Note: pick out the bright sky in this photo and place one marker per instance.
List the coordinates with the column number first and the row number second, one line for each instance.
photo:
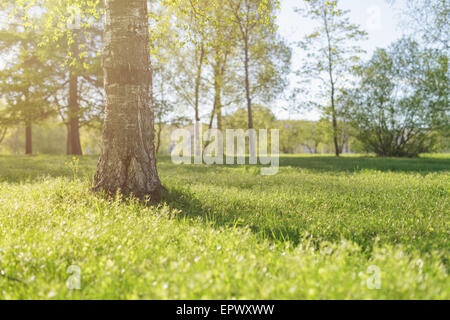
column 376, row 17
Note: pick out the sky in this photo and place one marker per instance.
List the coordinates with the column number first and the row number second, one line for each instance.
column 376, row 17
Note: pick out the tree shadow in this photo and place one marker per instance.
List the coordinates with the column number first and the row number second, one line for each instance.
column 360, row 163
column 18, row 169
column 192, row 208
column 345, row 163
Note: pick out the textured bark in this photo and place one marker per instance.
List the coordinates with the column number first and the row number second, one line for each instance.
column 28, row 139
column 127, row 163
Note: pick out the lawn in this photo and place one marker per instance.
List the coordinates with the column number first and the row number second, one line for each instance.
column 323, row 228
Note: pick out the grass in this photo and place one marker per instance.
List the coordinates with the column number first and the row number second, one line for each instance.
column 323, row 228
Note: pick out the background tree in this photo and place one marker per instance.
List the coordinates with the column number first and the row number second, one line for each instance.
column 224, row 35
column 163, row 105
column 251, row 17
column 313, row 134
column 69, row 41
column 332, row 52
column 393, row 112
column 3, row 127
column 77, row 84
column 263, row 118
column 22, row 81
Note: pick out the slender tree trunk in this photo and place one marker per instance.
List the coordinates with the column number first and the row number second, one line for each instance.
column 248, row 96
column 73, row 133
column 219, row 70
column 128, row 163
column 332, row 83
column 198, row 80
column 158, row 136
column 219, row 116
column 217, row 95
column 69, row 140
column 217, row 107
column 197, row 125
column 335, row 126
column 3, row 134
column 28, row 139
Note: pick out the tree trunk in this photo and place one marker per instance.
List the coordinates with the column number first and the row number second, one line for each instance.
column 28, row 139
column 332, row 84
column 217, row 96
column 197, row 125
column 158, row 136
column 335, row 126
column 3, row 134
column 216, row 107
column 219, row 116
column 128, row 163
column 248, row 96
column 73, row 133
column 219, row 72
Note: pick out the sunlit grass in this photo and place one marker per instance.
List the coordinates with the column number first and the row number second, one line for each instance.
column 313, row 231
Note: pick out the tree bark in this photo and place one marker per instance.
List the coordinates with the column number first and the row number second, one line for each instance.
column 28, row 139
column 128, row 163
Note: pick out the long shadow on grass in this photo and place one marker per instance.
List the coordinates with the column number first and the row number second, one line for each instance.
column 358, row 163
column 192, row 208
column 17, row 169
column 345, row 163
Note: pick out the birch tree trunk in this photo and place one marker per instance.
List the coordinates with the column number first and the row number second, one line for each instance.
column 127, row 163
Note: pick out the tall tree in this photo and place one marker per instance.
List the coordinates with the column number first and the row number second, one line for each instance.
column 69, row 37
column 394, row 108
column 77, row 77
column 223, row 39
column 128, row 163
column 78, row 87
column 22, row 81
column 251, row 16
column 164, row 49
column 162, row 100
column 73, row 123
column 332, row 51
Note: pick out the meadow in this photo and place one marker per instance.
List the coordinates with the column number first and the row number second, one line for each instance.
column 355, row 227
